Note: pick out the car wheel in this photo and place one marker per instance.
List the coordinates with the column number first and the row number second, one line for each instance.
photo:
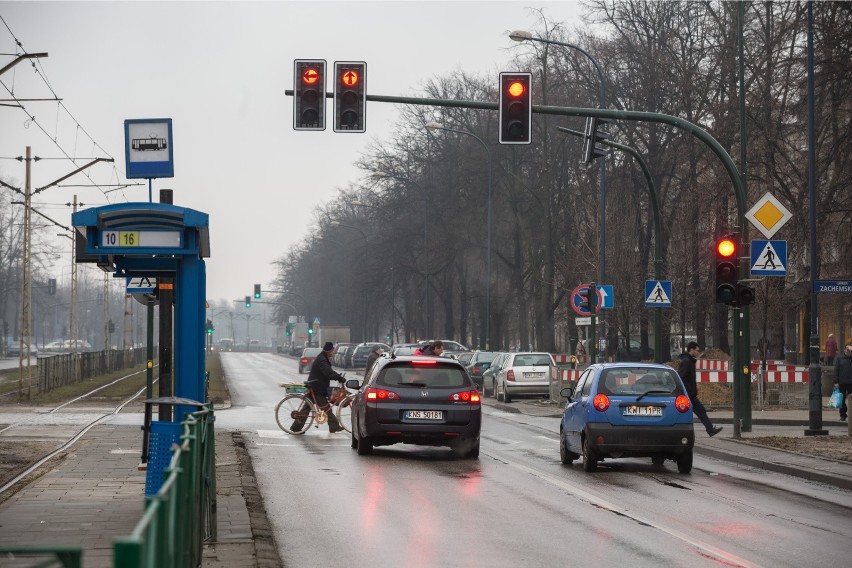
column 684, row 462
column 566, row 457
column 590, row 459
column 506, row 398
column 473, row 452
column 354, row 443
column 365, row 446
column 658, row 460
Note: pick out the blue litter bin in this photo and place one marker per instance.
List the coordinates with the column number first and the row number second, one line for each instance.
column 161, row 437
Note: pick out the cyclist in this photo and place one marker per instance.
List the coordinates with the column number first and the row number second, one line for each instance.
column 319, row 381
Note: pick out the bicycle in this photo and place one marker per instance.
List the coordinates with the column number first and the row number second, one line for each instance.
column 344, row 410
column 299, row 406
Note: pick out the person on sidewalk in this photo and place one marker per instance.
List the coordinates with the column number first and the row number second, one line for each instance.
column 319, row 381
column 686, row 370
column 843, row 377
column 830, row 349
column 374, row 354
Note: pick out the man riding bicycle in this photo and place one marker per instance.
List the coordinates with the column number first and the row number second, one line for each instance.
column 319, row 381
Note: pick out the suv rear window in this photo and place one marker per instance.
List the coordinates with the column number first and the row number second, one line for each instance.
column 416, row 376
column 638, row 381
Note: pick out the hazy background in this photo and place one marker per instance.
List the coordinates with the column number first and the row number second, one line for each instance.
column 219, row 70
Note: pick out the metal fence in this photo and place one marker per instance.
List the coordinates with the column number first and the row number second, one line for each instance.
column 182, row 515
column 58, row 370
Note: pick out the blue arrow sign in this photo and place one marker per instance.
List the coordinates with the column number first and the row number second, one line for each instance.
column 606, row 296
column 768, row 258
column 658, row 293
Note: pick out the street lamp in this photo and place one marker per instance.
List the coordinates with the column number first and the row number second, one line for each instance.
column 438, row 126
column 523, row 35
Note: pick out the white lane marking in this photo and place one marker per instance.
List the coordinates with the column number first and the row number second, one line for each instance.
column 272, row 434
column 597, row 501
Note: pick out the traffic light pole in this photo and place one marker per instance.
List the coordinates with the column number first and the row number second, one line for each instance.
column 742, row 376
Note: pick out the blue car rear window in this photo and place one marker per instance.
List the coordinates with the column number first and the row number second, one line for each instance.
column 416, row 377
column 633, row 382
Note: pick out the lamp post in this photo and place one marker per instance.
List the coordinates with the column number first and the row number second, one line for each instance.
column 523, row 35
column 437, row 126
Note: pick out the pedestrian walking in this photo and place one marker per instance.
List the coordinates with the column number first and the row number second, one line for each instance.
column 830, row 349
column 686, row 370
column 843, row 377
column 374, row 354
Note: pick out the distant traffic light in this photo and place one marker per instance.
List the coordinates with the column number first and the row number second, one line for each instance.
column 310, row 331
column 350, row 96
column 210, row 328
column 51, row 286
column 248, row 301
column 257, row 291
column 309, row 99
column 111, row 326
column 597, row 130
column 726, row 270
column 515, row 114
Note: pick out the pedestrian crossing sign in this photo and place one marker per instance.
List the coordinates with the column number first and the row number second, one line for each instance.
column 658, row 293
column 768, row 258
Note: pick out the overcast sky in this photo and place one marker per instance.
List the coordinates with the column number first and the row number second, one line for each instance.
column 219, row 71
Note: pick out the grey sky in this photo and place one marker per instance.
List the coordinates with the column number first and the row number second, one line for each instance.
column 219, row 70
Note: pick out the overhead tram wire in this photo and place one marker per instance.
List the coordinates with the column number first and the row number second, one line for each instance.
column 39, row 69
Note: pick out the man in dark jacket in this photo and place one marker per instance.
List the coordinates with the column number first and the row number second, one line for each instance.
column 843, row 376
column 319, row 381
column 374, row 354
column 686, row 370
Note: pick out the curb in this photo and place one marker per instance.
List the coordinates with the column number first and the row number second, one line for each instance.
column 811, row 475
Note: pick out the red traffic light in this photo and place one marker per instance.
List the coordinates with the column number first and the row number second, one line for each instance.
column 349, row 78
column 726, row 248
column 516, row 88
column 310, row 76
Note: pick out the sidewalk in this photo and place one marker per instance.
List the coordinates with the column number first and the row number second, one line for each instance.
column 723, row 446
column 96, row 493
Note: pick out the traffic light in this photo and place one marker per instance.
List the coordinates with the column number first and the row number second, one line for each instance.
column 590, row 298
column 248, row 301
column 51, row 286
column 745, row 295
column 310, row 331
column 350, row 96
column 309, row 99
column 726, row 270
column 210, row 327
column 597, row 130
column 257, row 291
column 111, row 326
column 515, row 108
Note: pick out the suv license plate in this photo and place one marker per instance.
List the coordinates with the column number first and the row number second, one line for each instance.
column 642, row 411
column 424, row 414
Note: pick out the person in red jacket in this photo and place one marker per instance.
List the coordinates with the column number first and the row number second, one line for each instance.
column 830, row 349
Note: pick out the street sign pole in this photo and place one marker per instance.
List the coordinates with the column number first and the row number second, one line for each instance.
column 593, row 343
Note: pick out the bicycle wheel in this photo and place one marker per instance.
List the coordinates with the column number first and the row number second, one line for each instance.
column 295, row 413
column 344, row 412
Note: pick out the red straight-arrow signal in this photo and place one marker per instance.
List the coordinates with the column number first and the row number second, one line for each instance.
column 350, row 78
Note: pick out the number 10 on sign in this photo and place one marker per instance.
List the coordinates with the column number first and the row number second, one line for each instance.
column 120, row 239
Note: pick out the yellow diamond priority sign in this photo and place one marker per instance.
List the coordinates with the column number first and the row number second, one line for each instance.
column 768, row 215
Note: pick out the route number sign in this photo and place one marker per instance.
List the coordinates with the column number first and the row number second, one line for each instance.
column 140, row 239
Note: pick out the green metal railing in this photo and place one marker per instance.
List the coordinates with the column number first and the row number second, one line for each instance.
column 182, row 515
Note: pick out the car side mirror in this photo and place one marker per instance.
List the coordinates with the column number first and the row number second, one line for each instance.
column 567, row 392
column 353, row 384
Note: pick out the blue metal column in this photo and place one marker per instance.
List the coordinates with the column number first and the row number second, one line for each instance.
column 191, row 286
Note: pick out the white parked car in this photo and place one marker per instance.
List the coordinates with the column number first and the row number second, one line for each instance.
column 523, row 374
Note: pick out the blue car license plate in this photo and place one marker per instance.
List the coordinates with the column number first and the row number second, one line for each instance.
column 642, row 411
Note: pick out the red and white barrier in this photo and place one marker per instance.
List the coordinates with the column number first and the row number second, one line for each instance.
column 566, row 359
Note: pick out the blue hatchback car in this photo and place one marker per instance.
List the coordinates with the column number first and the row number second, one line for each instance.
column 627, row 410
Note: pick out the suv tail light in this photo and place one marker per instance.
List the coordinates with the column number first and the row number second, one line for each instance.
column 304, row 360
column 601, row 402
column 374, row 394
column 510, row 375
column 682, row 403
column 475, row 370
column 471, row 397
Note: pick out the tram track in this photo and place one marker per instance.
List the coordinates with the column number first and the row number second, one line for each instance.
column 79, row 432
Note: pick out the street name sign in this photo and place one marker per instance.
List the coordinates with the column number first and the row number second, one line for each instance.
column 833, row 286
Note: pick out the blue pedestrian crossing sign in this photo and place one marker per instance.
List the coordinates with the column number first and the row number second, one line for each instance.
column 658, row 293
column 768, row 258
